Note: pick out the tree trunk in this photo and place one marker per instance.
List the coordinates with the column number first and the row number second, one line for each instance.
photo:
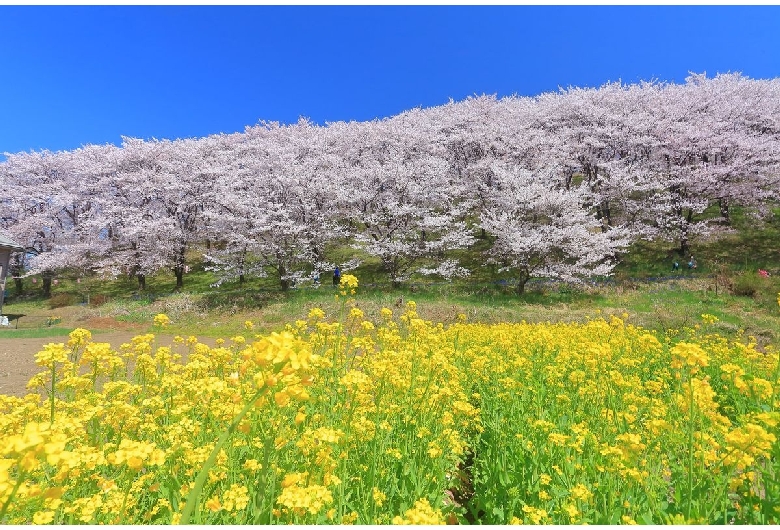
column 241, row 279
column 724, row 211
column 283, row 281
column 685, row 246
column 15, row 270
column 178, row 270
column 47, row 286
column 521, row 281
column 141, row 281
column 604, row 215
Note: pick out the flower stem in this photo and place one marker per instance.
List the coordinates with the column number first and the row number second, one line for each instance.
column 192, row 498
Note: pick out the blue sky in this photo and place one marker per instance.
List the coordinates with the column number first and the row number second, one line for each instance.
column 76, row 75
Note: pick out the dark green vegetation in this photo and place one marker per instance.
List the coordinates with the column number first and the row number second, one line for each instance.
column 726, row 283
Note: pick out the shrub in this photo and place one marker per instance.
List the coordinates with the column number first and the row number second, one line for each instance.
column 748, row 284
column 98, row 299
column 61, row 300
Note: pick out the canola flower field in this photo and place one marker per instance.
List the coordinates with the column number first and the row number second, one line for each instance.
column 346, row 419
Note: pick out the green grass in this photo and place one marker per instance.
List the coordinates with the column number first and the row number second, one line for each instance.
column 33, row 333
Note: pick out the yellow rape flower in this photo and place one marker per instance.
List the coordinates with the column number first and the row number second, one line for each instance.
column 236, row 498
column 43, row 517
column 709, row 319
column 378, row 496
column 689, row 355
column 349, row 281
column 161, row 320
column 136, row 454
column 316, row 314
column 311, row 499
column 78, row 337
column 536, row 515
column 421, row 513
column 747, row 443
column 52, row 354
column 580, row 492
column 213, row 504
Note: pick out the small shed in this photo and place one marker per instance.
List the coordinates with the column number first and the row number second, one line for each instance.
column 7, row 247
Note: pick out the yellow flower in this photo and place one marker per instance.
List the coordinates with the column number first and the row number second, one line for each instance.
column 310, row 499
column 51, row 354
column 248, row 325
column 709, row 319
column 78, row 337
column 236, row 498
column 379, row 497
column 747, row 443
column 213, row 504
column 421, row 513
column 689, row 355
column 161, row 320
column 316, row 314
column 349, row 281
column 136, row 454
column 580, row 492
column 44, row 517
column 536, row 515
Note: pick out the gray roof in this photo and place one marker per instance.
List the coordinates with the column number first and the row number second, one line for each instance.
column 7, row 243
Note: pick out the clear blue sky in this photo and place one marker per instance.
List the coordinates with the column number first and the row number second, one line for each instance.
column 75, row 75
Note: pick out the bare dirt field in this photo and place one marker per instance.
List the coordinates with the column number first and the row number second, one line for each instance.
column 17, row 356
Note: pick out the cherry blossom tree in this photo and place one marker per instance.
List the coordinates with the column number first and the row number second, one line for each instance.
column 53, row 208
column 543, row 229
column 274, row 213
column 133, row 217
column 403, row 208
column 650, row 159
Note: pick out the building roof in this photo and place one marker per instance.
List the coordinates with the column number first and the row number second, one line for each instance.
column 6, row 243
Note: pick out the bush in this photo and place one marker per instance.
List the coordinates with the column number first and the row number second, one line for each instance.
column 98, row 299
column 61, row 300
column 749, row 284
